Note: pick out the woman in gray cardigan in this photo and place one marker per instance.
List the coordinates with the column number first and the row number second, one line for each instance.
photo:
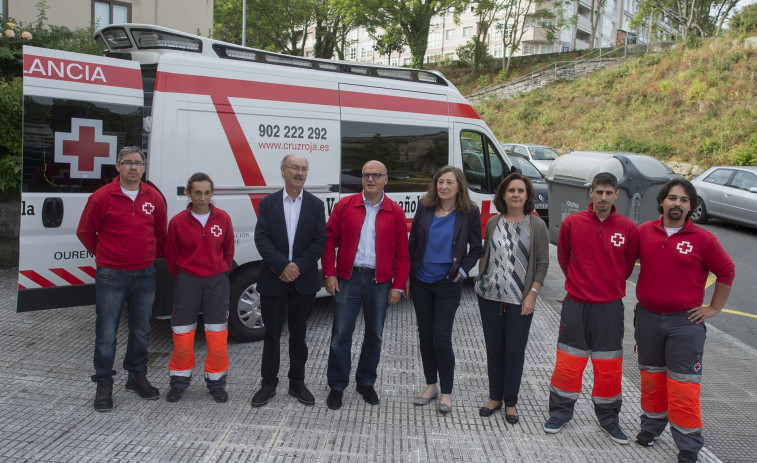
column 511, row 272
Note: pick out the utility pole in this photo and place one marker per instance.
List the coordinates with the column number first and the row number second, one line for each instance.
column 244, row 23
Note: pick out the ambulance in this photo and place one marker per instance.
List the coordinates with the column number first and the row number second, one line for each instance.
column 201, row 105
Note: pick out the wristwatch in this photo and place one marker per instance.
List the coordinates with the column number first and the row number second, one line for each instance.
column 536, row 291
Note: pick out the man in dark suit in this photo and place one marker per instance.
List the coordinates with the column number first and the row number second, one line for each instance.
column 290, row 236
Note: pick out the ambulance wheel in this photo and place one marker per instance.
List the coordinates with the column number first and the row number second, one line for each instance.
column 699, row 213
column 245, row 317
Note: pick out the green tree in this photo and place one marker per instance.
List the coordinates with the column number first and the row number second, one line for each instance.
column 703, row 18
column 411, row 17
column 744, row 22
column 516, row 16
column 391, row 41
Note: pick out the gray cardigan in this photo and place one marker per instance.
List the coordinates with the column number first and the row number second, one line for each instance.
column 538, row 258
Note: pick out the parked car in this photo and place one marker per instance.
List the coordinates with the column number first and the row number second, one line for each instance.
column 540, row 156
column 541, row 193
column 727, row 193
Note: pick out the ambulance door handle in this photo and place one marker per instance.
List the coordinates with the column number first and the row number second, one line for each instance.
column 52, row 212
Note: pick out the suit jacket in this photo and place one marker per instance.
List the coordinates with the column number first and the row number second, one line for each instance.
column 273, row 244
column 466, row 240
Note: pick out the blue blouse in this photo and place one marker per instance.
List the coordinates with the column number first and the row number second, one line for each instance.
column 437, row 257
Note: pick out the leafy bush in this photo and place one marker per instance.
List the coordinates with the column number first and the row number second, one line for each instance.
column 11, row 109
column 744, row 22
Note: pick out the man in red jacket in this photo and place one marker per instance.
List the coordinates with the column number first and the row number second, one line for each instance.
column 676, row 257
column 371, row 266
column 596, row 250
column 124, row 226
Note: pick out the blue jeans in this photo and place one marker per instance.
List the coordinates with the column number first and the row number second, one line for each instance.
column 361, row 287
column 113, row 288
column 435, row 307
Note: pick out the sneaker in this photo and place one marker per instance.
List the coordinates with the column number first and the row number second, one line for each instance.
column 553, row 425
column 219, row 394
column 646, row 438
column 140, row 385
column 613, row 430
column 264, row 394
column 174, row 395
column 687, row 456
column 104, row 397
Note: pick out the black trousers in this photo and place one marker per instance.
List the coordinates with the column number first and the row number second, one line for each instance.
column 294, row 308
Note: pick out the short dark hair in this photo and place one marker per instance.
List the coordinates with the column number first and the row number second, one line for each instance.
column 462, row 202
column 690, row 190
column 199, row 177
column 605, row 178
column 499, row 200
column 128, row 150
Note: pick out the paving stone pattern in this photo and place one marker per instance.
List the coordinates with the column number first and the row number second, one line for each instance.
column 46, row 397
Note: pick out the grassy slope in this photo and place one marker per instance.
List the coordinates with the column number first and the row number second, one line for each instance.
column 690, row 105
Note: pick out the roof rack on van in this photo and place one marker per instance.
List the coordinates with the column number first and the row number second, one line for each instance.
column 122, row 40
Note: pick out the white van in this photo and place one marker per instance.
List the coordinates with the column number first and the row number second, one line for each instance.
column 199, row 105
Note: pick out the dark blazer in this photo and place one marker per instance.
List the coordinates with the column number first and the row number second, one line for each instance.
column 273, row 245
column 466, row 244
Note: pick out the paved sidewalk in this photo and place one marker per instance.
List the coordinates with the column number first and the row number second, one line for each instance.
column 46, row 399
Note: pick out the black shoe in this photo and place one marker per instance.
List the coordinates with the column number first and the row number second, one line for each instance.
column 174, row 394
column 368, row 393
column 687, row 456
column 487, row 412
column 512, row 419
column 646, row 438
column 334, row 400
column 219, row 394
column 104, row 397
column 264, row 394
column 302, row 393
column 140, row 385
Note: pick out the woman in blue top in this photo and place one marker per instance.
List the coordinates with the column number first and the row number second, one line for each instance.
column 445, row 243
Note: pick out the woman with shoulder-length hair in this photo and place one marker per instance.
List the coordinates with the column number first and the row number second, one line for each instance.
column 511, row 272
column 199, row 251
column 445, row 243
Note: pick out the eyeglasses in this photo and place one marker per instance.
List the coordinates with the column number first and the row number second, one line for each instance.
column 374, row 176
column 132, row 163
column 299, row 168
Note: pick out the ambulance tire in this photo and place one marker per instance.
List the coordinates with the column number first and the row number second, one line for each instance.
column 245, row 319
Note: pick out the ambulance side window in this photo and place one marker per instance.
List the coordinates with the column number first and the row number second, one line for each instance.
column 482, row 164
column 70, row 146
column 411, row 154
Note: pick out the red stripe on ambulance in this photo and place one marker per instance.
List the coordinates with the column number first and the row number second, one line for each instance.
column 67, row 276
column 44, row 67
column 37, row 278
column 91, row 271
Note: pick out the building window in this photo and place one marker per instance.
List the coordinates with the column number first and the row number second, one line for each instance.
column 435, row 38
column 106, row 12
column 547, row 49
column 528, row 49
column 406, row 61
column 498, row 50
column 468, row 31
column 395, row 61
column 450, row 34
column 351, row 54
column 582, row 35
column 366, row 50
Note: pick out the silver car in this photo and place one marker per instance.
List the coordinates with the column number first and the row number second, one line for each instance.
column 540, row 156
column 727, row 193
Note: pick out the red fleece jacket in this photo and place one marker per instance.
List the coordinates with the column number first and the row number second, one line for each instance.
column 197, row 250
column 121, row 233
column 597, row 256
column 343, row 232
column 674, row 269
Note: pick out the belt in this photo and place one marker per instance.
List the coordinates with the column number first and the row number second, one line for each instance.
column 363, row 269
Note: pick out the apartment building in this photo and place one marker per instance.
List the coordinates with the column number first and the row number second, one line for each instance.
column 192, row 16
column 445, row 36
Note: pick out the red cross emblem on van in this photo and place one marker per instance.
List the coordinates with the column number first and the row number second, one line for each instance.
column 86, row 149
